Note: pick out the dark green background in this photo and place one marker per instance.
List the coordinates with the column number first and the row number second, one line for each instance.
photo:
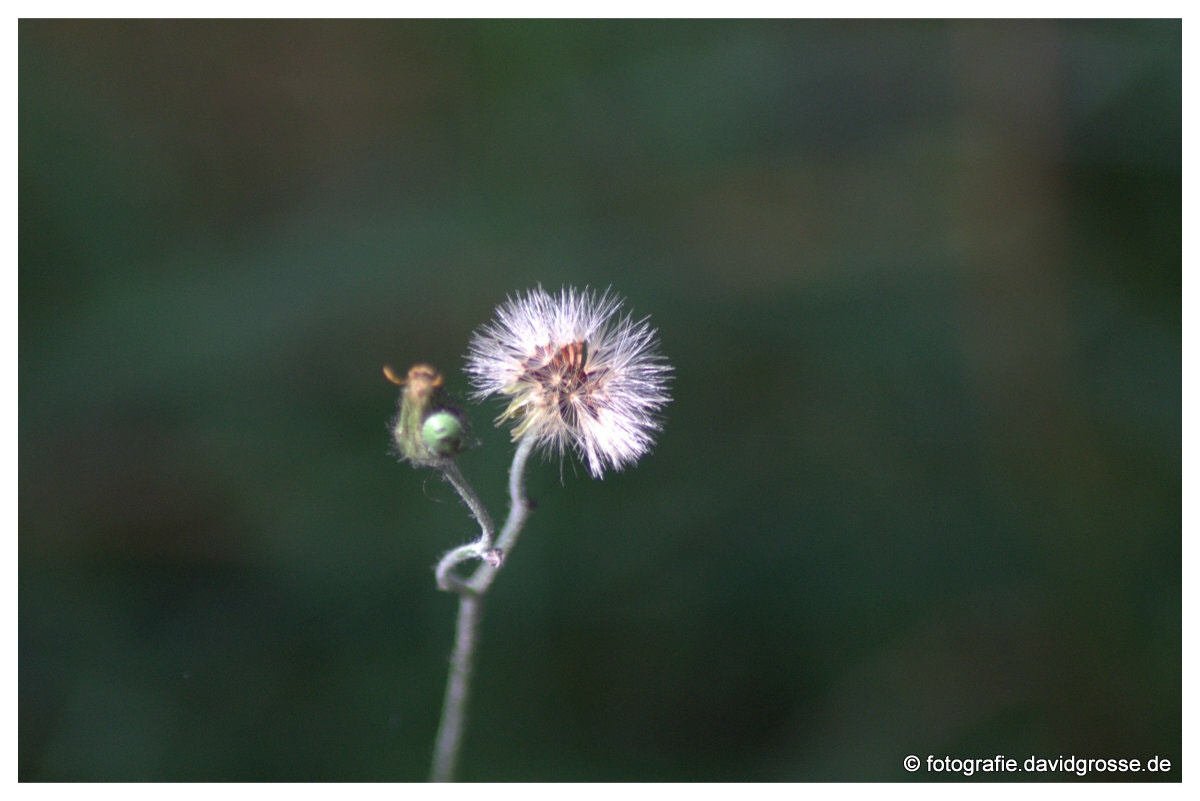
column 918, row 490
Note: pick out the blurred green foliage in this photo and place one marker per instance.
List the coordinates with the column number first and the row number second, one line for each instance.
column 918, row 491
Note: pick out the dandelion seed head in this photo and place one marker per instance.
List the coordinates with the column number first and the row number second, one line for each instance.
column 576, row 373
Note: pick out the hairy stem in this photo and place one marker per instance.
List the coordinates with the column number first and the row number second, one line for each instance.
column 458, row 688
column 470, row 593
column 518, row 513
column 480, row 548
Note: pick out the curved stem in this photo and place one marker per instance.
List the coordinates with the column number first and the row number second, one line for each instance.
column 480, row 548
column 467, row 493
column 470, row 599
column 518, row 513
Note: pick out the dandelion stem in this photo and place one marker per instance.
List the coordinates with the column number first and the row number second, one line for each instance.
column 475, row 550
column 467, row 493
column 458, row 688
column 470, row 593
column 518, row 512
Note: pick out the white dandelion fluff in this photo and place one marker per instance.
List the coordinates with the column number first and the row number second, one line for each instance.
column 576, row 374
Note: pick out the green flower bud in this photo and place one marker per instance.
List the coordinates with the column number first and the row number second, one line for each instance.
column 444, row 433
column 428, row 428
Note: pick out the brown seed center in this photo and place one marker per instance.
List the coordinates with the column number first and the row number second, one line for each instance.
column 557, row 372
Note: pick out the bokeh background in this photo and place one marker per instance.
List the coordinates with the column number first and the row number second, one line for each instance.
column 918, row 491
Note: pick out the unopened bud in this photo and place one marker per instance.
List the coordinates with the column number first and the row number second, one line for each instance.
column 428, row 428
column 444, row 433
